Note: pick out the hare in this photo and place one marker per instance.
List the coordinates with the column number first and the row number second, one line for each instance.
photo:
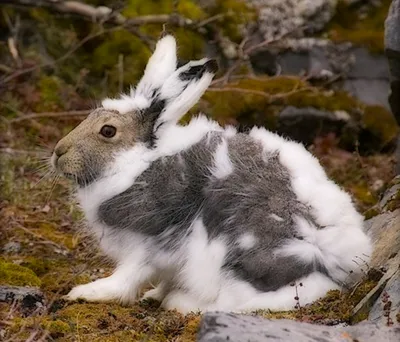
column 221, row 220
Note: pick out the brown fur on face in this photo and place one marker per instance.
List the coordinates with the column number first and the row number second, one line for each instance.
column 84, row 153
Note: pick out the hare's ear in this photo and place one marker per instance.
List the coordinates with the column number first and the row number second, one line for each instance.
column 160, row 67
column 176, row 96
column 183, row 89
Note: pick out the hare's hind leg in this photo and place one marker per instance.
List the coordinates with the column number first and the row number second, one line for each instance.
column 159, row 292
column 303, row 291
column 182, row 302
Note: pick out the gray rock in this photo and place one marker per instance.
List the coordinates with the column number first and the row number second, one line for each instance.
column 363, row 308
column 11, row 247
column 305, row 124
column 369, row 91
column 264, row 62
column 368, row 77
column 218, row 327
column 30, row 299
column 384, row 230
column 390, row 194
column 392, row 27
column 387, row 307
column 279, row 17
column 356, row 70
column 294, row 63
column 392, row 50
column 367, row 65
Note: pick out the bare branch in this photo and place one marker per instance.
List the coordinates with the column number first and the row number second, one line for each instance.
column 270, row 97
column 62, row 58
column 60, row 115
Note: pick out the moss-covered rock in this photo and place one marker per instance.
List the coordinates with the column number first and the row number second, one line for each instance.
column 362, row 29
column 17, row 275
column 381, row 126
column 259, row 100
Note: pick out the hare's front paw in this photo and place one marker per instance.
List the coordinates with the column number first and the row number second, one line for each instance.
column 155, row 294
column 100, row 290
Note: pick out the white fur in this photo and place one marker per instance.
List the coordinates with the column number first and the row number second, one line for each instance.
column 122, row 285
column 314, row 286
column 246, row 241
column 182, row 95
column 175, row 138
column 341, row 241
column 160, row 67
column 276, row 217
column 230, row 131
column 223, row 166
column 127, row 167
column 203, row 266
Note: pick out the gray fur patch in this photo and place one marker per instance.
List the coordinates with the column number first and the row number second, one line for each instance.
column 175, row 190
column 168, row 195
column 242, row 202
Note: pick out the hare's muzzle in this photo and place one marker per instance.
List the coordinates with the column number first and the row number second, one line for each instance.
column 59, row 158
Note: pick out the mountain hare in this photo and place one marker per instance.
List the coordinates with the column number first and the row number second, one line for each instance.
column 221, row 220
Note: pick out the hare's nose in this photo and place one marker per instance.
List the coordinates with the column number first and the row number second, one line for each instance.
column 60, row 150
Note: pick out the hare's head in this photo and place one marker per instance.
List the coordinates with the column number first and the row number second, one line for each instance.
column 164, row 94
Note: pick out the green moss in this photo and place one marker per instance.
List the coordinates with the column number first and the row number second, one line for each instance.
column 56, row 327
column 190, row 44
column 110, row 322
column 106, row 56
column 393, row 203
column 362, row 192
column 247, row 106
column 381, row 124
column 336, row 305
column 187, row 8
column 231, row 23
column 370, row 213
column 367, row 31
column 260, row 108
column 16, row 275
column 50, row 88
column 49, row 231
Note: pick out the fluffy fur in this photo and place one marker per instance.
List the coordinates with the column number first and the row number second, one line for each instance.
column 220, row 220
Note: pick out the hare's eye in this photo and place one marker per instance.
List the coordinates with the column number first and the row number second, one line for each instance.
column 108, row 131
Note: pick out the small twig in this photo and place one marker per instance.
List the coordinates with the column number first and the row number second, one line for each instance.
column 210, row 20
column 270, row 97
column 267, row 42
column 9, row 150
column 59, row 115
column 40, row 237
column 6, row 69
column 12, row 39
column 121, row 73
column 240, row 90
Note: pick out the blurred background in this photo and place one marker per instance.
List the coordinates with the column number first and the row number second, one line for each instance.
column 311, row 70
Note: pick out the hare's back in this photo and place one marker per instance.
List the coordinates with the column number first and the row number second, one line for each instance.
column 250, row 191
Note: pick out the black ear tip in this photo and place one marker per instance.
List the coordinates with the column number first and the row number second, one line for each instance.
column 165, row 33
column 211, row 66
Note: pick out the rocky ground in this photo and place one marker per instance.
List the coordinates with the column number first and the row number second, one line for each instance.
column 325, row 84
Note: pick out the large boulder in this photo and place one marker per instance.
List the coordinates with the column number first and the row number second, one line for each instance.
column 382, row 303
column 218, row 327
